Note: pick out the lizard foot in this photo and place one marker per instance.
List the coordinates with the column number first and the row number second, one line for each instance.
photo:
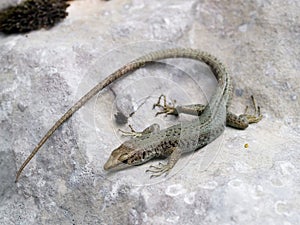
column 132, row 132
column 154, row 128
column 257, row 116
column 158, row 170
column 166, row 109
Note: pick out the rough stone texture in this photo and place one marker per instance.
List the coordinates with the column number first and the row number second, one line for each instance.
column 44, row 72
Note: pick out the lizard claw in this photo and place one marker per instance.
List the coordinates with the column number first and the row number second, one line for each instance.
column 257, row 116
column 158, row 170
column 166, row 109
column 132, row 132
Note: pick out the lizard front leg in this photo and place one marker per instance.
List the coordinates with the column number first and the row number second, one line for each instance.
column 154, row 128
column 165, row 168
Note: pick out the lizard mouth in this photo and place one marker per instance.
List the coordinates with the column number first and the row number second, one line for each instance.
column 120, row 158
column 115, row 164
column 109, row 164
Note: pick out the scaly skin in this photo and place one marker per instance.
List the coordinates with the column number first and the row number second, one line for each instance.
column 188, row 136
column 174, row 140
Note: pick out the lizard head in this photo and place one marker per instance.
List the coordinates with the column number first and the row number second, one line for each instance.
column 124, row 156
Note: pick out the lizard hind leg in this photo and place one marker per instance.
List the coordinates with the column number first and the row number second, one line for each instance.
column 171, row 109
column 257, row 116
column 242, row 121
column 166, row 108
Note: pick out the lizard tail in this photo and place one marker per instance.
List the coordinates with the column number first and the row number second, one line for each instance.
column 215, row 65
column 111, row 78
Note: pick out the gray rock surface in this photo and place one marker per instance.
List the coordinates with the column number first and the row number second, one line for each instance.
column 44, row 72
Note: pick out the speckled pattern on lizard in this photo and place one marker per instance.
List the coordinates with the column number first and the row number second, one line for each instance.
column 175, row 140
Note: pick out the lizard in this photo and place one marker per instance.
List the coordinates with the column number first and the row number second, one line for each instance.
column 177, row 139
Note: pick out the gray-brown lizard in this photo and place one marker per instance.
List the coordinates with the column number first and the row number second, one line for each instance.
column 177, row 139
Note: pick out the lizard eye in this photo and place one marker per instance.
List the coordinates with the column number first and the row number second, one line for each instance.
column 123, row 158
